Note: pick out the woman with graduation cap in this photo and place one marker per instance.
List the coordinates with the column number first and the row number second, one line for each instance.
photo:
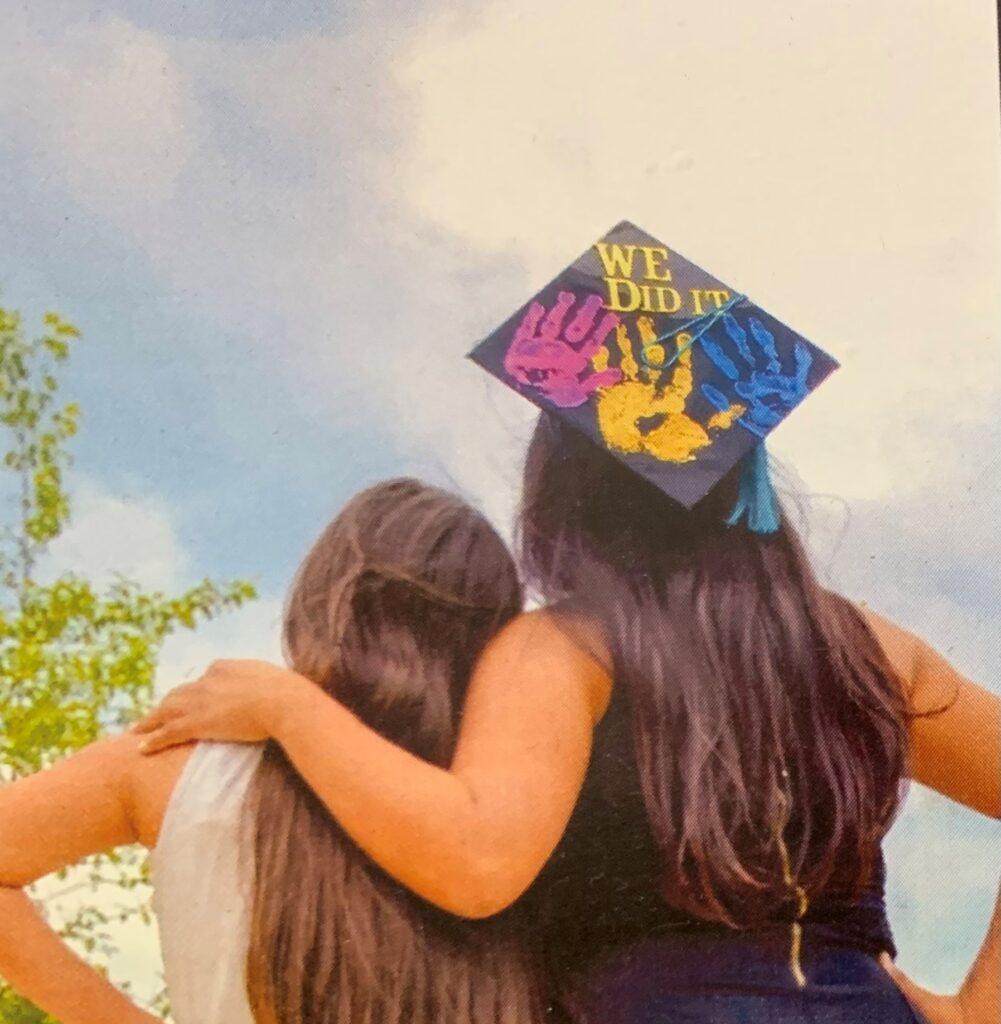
column 686, row 762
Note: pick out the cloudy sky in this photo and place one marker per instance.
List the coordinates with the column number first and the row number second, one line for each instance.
column 280, row 226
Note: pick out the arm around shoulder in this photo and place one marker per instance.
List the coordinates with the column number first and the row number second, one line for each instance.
column 471, row 838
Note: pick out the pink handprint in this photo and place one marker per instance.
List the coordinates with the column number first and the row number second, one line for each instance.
column 549, row 357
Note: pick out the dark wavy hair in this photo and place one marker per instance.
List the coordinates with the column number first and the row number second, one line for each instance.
column 768, row 725
column 388, row 612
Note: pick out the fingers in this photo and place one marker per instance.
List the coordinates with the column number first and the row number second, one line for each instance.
column 552, row 325
column 540, row 324
column 159, row 716
column 715, row 397
column 530, row 321
column 583, row 321
column 149, row 722
column 725, row 418
column 739, row 337
column 599, row 361
column 914, row 993
column 177, row 720
column 179, row 701
column 719, row 357
column 604, row 376
column 605, row 379
column 593, row 348
column 608, row 324
column 804, row 360
column 628, row 363
column 577, row 331
column 682, row 376
column 165, row 726
column 727, row 412
column 653, row 352
column 170, row 734
column 766, row 340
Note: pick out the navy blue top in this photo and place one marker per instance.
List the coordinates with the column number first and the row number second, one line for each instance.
column 601, row 892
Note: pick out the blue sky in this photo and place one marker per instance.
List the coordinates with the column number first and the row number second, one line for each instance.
column 280, row 226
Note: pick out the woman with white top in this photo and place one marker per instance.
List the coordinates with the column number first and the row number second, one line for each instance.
column 267, row 911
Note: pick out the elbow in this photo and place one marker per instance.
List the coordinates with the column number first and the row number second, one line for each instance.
column 479, row 906
column 482, row 889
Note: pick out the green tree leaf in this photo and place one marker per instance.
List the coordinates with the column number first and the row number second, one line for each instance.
column 76, row 660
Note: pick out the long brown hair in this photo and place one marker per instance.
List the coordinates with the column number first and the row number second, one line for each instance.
column 388, row 612
column 768, row 726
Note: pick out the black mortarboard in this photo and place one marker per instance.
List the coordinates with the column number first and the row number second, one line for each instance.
column 671, row 370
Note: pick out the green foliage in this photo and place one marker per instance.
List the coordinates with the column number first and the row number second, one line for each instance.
column 76, row 660
column 14, row 1010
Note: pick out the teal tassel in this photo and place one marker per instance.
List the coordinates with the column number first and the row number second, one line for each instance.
column 756, row 498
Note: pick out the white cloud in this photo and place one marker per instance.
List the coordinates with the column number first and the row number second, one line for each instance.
column 844, row 178
column 104, row 112
column 250, row 632
column 364, row 228
column 111, row 534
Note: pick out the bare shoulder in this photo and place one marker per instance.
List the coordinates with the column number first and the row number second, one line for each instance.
column 900, row 646
column 562, row 647
column 149, row 782
column 930, row 681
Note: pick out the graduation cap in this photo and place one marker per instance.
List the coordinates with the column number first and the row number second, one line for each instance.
column 677, row 374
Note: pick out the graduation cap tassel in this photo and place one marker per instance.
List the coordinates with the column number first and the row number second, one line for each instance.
column 756, row 498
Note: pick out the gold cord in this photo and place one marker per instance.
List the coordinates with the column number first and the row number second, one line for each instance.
column 802, row 900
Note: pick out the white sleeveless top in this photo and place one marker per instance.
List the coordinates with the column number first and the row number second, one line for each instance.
column 201, row 886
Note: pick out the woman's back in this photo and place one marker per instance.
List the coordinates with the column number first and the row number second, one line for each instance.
column 389, row 610
column 603, row 887
column 203, row 875
column 620, row 951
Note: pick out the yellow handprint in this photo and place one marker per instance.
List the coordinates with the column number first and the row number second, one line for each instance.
column 639, row 414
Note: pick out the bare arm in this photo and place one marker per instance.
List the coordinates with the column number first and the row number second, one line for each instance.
column 955, row 747
column 472, row 838
column 955, row 726
column 48, row 821
column 956, row 751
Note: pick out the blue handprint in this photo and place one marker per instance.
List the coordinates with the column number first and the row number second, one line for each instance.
column 769, row 393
